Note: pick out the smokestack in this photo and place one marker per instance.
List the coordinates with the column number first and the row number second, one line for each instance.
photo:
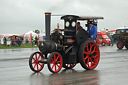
column 47, row 25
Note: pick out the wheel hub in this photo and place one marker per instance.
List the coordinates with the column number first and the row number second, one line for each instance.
column 36, row 61
column 90, row 54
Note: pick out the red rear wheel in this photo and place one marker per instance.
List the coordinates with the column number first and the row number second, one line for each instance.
column 55, row 62
column 34, row 63
column 89, row 55
column 120, row 45
column 126, row 45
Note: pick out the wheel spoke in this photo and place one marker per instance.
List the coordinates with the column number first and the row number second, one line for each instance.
column 87, row 62
column 91, row 62
column 86, row 52
column 57, row 57
column 91, row 47
column 95, row 63
column 54, row 56
column 94, row 49
column 53, row 62
column 41, row 65
column 37, row 67
column 59, row 61
column 52, row 59
column 58, row 66
column 53, row 66
column 94, row 56
column 34, row 59
column 34, row 65
column 36, row 56
column 96, row 60
column 39, row 57
column 33, row 62
column 85, row 58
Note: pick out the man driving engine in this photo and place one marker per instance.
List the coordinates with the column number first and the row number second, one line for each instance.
column 92, row 30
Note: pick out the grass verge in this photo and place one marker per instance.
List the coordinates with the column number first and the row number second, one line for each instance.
column 27, row 45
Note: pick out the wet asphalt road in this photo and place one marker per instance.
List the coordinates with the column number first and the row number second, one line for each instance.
column 111, row 70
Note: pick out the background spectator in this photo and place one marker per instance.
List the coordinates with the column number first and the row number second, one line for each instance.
column 36, row 41
column 8, row 42
column 5, row 41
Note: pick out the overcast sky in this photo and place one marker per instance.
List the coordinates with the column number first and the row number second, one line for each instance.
column 21, row 16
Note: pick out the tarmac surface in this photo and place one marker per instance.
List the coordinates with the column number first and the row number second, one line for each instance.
column 111, row 70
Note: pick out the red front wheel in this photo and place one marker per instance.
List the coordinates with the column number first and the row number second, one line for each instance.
column 89, row 55
column 55, row 62
column 34, row 63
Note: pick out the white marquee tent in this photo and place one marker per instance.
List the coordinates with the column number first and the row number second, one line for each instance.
column 28, row 36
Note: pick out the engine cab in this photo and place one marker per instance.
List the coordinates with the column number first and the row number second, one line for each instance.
column 69, row 29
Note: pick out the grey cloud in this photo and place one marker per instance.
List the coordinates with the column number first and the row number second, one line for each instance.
column 23, row 15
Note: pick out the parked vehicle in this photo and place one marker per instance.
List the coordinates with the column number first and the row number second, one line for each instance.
column 121, row 37
column 103, row 39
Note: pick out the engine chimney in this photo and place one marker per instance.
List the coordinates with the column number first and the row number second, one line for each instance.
column 47, row 25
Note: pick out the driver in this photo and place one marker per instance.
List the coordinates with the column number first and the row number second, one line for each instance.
column 79, row 26
column 92, row 30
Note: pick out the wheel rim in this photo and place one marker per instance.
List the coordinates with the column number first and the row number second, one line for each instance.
column 91, row 55
column 55, row 62
column 35, row 62
column 103, row 43
column 119, row 45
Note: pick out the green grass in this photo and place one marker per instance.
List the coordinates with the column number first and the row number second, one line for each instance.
column 27, row 45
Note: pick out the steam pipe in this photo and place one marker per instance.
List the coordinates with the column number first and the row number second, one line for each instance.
column 47, row 25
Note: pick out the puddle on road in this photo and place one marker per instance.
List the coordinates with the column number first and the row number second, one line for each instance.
column 66, row 77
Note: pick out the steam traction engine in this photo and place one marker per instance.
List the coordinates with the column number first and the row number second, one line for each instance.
column 121, row 36
column 66, row 47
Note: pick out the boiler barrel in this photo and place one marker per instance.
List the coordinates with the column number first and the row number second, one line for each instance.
column 49, row 46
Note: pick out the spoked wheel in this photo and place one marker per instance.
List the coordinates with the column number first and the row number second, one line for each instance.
column 34, row 63
column 89, row 55
column 120, row 45
column 69, row 66
column 55, row 62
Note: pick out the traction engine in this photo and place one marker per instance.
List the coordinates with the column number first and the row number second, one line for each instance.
column 66, row 47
